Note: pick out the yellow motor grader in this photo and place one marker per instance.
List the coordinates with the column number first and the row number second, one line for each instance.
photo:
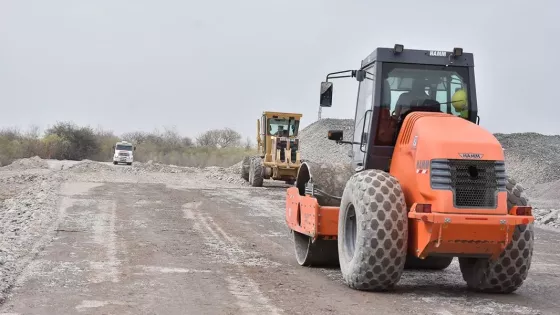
column 278, row 154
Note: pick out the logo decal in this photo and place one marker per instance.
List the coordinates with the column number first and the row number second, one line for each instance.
column 415, row 142
column 472, row 156
column 422, row 166
column 438, row 53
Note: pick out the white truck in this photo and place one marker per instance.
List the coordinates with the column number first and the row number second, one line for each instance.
column 123, row 153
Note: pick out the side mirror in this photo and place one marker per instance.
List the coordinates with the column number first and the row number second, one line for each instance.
column 360, row 75
column 336, row 135
column 326, row 94
column 134, row 148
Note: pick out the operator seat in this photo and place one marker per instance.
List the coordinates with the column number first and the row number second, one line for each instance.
column 416, row 96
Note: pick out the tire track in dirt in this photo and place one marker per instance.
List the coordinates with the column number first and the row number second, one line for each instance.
column 104, row 235
column 417, row 289
column 249, row 297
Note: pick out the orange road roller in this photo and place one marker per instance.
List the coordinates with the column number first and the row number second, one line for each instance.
column 426, row 183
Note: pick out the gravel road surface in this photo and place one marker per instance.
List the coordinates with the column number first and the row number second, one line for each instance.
column 129, row 240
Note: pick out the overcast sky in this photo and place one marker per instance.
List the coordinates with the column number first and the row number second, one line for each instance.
column 139, row 65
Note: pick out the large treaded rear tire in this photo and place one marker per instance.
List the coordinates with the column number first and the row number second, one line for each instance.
column 256, row 172
column 245, row 165
column 372, row 247
column 507, row 274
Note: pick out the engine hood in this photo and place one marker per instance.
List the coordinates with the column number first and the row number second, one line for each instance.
column 442, row 136
column 455, row 143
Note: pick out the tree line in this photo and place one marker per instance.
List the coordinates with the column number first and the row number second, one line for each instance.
column 68, row 141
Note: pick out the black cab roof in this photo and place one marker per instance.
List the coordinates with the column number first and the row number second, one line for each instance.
column 430, row 57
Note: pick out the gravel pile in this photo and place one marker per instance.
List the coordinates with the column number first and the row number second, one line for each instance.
column 316, row 147
column 90, row 166
column 136, row 168
column 230, row 174
column 235, row 169
column 14, row 184
column 28, row 163
column 21, row 179
column 547, row 191
column 548, row 217
column 24, row 220
column 532, row 158
column 153, row 167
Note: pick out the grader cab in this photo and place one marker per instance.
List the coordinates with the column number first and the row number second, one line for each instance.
column 426, row 183
column 278, row 149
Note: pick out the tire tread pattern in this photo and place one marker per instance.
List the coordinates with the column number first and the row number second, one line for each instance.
column 382, row 231
column 509, row 272
column 256, row 172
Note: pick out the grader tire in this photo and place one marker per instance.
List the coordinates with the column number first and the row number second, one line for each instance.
column 372, row 231
column 321, row 253
column 429, row 263
column 245, row 165
column 256, row 172
column 506, row 274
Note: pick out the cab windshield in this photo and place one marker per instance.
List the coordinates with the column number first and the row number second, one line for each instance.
column 283, row 127
column 123, row 147
column 408, row 85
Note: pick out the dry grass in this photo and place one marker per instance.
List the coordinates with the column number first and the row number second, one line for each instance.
column 68, row 141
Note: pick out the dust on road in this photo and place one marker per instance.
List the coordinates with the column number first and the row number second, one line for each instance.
column 127, row 241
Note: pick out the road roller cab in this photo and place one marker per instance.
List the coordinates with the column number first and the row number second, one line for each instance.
column 425, row 184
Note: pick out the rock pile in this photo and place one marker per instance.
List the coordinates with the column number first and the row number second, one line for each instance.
column 549, row 217
column 90, row 166
column 27, row 163
column 315, row 146
column 235, row 169
column 154, row 167
column 532, row 158
column 24, row 220
column 230, row 174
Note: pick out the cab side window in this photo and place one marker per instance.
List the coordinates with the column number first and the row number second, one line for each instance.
column 363, row 111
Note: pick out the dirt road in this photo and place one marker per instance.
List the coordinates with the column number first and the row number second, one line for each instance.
column 186, row 244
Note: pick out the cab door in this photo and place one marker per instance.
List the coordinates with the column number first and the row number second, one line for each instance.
column 362, row 120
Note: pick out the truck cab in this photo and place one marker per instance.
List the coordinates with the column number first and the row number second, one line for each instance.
column 123, row 153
